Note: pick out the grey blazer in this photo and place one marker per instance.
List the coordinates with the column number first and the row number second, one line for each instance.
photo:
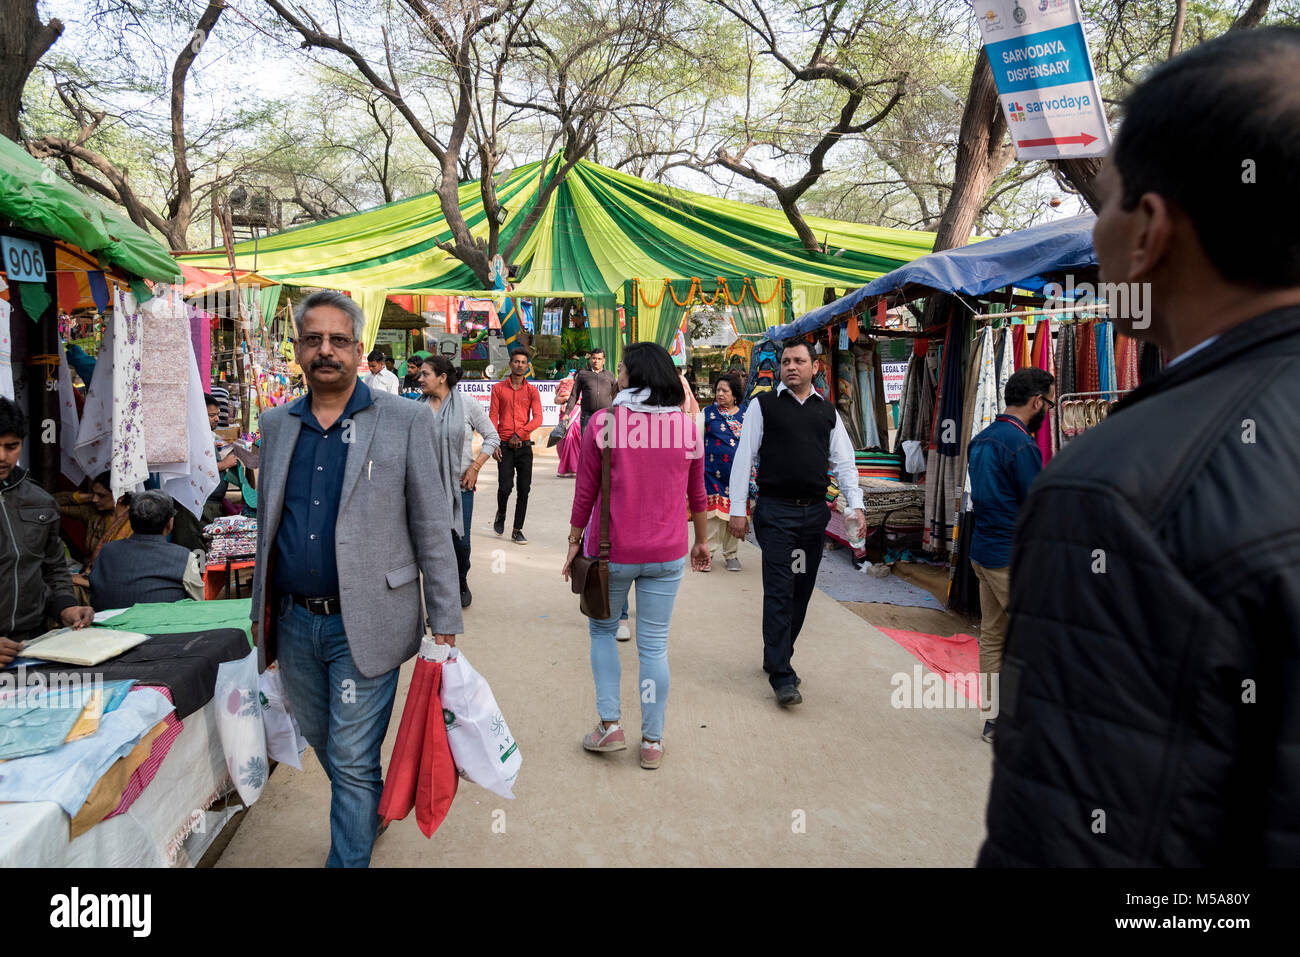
column 394, row 522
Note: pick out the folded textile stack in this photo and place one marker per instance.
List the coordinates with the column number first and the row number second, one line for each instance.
column 878, row 465
column 231, row 536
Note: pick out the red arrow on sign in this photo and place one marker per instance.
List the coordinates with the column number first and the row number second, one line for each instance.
column 1083, row 139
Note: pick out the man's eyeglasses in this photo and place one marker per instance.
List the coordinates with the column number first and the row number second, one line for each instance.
column 1051, row 403
column 313, row 341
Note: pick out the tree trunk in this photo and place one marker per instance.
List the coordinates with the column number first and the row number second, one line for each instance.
column 981, row 156
column 1081, row 174
column 23, row 41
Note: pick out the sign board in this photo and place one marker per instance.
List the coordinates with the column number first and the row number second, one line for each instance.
column 390, row 337
column 1045, row 79
column 481, row 390
column 23, row 260
column 894, row 373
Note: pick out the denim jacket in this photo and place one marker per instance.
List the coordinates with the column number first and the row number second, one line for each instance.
column 1004, row 461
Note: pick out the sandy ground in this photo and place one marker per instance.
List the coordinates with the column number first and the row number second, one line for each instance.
column 843, row 779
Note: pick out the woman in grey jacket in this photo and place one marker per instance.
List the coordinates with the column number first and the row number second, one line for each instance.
column 456, row 419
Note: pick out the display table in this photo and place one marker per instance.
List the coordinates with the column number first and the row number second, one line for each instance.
column 899, row 506
column 166, row 825
column 219, row 577
column 156, row 831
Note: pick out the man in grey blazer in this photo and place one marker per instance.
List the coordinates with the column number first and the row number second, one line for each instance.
column 350, row 513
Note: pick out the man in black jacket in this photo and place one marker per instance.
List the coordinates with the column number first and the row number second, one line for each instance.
column 1149, row 705
column 34, row 579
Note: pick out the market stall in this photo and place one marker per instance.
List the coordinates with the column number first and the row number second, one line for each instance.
column 151, row 786
column 995, row 318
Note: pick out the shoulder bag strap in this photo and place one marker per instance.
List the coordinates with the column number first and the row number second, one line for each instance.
column 606, row 455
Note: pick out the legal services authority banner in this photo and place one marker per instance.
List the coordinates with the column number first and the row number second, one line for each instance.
column 1045, row 78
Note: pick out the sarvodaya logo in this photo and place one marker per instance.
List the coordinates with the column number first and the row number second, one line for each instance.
column 133, row 911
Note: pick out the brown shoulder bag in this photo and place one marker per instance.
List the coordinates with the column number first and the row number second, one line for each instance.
column 589, row 577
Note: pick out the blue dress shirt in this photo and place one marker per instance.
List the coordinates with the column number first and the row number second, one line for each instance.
column 1004, row 461
column 305, row 563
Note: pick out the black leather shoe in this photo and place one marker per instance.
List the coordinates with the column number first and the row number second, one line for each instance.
column 465, row 596
column 788, row 696
column 518, row 538
column 499, row 525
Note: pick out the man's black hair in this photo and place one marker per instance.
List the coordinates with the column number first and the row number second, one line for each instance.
column 12, row 419
column 376, row 355
column 211, row 400
column 150, row 512
column 800, row 342
column 1026, row 383
column 649, row 366
column 1216, row 131
column 595, row 350
column 520, row 351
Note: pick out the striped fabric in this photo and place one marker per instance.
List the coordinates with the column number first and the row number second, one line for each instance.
column 878, row 465
column 142, row 775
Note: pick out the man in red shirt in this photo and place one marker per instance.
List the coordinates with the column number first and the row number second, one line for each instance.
column 516, row 411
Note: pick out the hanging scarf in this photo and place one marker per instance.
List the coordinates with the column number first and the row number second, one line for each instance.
column 1042, row 350
column 1087, row 378
column 449, row 448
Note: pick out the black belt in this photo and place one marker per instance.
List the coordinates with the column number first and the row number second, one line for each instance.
column 800, row 502
column 318, row 606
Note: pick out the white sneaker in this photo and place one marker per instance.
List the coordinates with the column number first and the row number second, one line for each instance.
column 624, row 633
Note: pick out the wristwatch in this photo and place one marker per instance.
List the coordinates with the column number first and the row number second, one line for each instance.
column 575, row 541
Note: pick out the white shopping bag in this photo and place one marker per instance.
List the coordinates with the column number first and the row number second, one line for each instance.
column 239, row 722
column 284, row 742
column 481, row 744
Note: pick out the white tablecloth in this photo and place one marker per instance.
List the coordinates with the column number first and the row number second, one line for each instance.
column 151, row 832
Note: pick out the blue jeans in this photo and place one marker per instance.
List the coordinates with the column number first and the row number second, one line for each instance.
column 460, row 543
column 344, row 716
column 656, row 590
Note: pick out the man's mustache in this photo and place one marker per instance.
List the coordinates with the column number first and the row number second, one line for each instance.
column 323, row 363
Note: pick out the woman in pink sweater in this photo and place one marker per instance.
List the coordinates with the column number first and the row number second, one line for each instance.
column 657, row 463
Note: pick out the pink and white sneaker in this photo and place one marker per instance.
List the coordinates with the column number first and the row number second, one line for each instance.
column 605, row 739
column 652, row 752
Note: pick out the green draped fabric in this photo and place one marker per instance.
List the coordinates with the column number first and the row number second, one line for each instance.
column 602, row 321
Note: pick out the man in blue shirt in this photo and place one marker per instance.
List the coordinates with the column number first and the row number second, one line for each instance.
column 1004, row 461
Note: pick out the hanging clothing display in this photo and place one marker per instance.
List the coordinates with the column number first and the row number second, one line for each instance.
column 1020, row 345
column 6, row 350
column 201, row 340
column 111, row 435
column 1086, row 377
column 1127, row 350
column 865, row 365
column 1006, row 367
column 1065, row 360
column 1150, row 361
column 1042, row 353
column 847, row 400
column 983, row 388
column 165, row 377
column 192, row 477
column 942, row 478
column 69, row 422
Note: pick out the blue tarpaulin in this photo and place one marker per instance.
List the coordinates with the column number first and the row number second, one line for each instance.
column 1022, row 259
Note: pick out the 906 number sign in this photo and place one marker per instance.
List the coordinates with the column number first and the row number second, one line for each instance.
column 23, row 260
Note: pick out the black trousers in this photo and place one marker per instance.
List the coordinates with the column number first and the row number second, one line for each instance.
column 791, row 537
column 516, row 466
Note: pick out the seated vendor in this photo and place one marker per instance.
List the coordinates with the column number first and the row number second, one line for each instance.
column 31, row 554
column 106, row 521
column 146, row 567
column 231, row 471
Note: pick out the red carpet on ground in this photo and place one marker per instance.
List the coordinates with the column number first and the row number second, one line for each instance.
column 954, row 657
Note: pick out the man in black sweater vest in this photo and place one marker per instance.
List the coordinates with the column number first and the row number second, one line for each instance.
column 797, row 434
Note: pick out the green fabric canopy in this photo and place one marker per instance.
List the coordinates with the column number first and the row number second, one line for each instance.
column 33, row 198
column 601, row 228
